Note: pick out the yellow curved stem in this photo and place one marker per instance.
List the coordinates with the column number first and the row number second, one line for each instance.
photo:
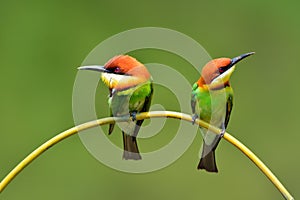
column 146, row 115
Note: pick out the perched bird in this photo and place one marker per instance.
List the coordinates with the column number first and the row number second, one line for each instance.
column 212, row 101
column 130, row 92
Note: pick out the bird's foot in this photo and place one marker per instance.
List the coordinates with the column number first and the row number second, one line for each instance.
column 133, row 115
column 223, row 130
column 194, row 117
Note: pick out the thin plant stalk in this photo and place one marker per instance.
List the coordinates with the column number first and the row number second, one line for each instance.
column 146, row 115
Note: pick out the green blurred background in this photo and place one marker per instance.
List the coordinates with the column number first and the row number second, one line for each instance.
column 43, row 42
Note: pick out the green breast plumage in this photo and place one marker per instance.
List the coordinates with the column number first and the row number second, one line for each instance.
column 131, row 99
column 212, row 105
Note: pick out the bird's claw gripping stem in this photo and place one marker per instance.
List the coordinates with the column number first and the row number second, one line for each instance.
column 133, row 115
column 223, row 130
column 194, row 117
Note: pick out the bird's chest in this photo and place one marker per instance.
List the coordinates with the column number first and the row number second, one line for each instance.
column 212, row 106
column 124, row 102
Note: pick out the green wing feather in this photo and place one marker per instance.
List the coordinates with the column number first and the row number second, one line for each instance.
column 229, row 106
column 145, row 108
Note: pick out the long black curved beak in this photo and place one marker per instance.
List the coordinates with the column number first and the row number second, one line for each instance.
column 239, row 58
column 97, row 68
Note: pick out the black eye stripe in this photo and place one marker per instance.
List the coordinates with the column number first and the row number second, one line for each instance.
column 115, row 70
column 223, row 69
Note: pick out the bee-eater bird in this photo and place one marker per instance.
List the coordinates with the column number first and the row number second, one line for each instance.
column 130, row 92
column 212, row 101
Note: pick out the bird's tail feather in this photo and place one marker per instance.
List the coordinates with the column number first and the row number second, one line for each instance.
column 208, row 160
column 131, row 151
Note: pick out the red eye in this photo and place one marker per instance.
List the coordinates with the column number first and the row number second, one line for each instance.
column 117, row 70
column 222, row 69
